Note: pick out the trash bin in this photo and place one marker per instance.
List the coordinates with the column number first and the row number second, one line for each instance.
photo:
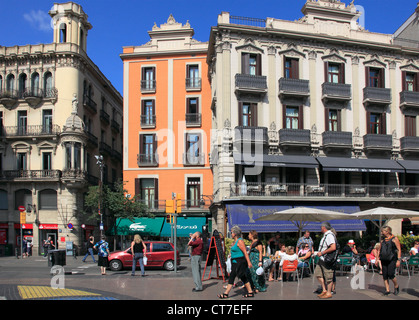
column 56, row 257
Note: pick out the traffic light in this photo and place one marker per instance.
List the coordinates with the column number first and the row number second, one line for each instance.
column 178, row 202
column 168, row 218
column 170, row 206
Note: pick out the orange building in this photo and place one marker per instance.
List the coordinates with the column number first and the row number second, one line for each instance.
column 167, row 120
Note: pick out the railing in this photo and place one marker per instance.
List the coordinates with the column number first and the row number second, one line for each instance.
column 299, row 136
column 409, row 143
column 193, row 119
column 30, row 174
column 193, row 83
column 245, row 21
column 148, row 120
column 115, row 125
column 337, row 138
column 192, row 159
column 148, row 85
column 104, row 116
column 339, row 91
column 9, row 94
column 251, row 134
column 252, row 189
column 33, row 130
column 91, row 138
column 88, row 101
column 294, row 86
column 104, row 147
column 247, row 81
column 409, row 98
column 377, row 95
column 147, row 160
column 194, row 204
column 379, row 141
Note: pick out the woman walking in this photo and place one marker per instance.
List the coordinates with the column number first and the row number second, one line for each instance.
column 239, row 263
column 256, row 259
column 389, row 255
column 138, row 250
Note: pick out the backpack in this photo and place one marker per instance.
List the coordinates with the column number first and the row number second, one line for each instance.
column 387, row 252
column 330, row 259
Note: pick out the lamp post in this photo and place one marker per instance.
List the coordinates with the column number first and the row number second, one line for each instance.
column 99, row 162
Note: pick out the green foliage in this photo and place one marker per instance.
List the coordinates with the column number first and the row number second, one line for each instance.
column 228, row 242
column 407, row 241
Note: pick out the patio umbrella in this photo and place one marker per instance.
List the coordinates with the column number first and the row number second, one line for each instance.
column 384, row 215
column 301, row 216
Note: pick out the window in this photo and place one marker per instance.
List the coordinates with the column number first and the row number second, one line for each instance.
column 162, row 247
column 148, row 78
column 193, row 192
column 293, row 118
column 251, row 64
column 4, row 203
column 193, row 153
column 22, row 122
column 376, row 123
column 247, row 114
column 23, row 197
column 375, row 77
column 148, row 113
column 193, row 117
column 68, row 156
column 147, row 188
column 47, row 121
column 77, row 156
column 333, row 121
column 10, row 83
column 193, row 80
column 148, row 147
column 410, row 81
column 291, row 70
column 410, row 126
column 63, row 33
column 48, row 90
column 46, row 161
column 23, row 83
column 335, row 72
column 48, row 200
column 35, row 82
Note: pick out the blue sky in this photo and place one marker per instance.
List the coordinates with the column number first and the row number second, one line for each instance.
column 125, row 22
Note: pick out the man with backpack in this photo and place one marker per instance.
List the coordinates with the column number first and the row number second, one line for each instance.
column 327, row 254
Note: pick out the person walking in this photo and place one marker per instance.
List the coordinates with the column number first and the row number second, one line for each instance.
column 327, row 257
column 103, row 251
column 138, row 250
column 389, row 254
column 90, row 244
column 197, row 245
column 256, row 258
column 239, row 263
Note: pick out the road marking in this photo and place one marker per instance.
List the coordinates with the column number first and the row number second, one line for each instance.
column 36, row 292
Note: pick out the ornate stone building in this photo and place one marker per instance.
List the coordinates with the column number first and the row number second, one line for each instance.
column 57, row 111
column 315, row 112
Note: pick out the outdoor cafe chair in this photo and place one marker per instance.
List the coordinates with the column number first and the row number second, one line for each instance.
column 345, row 261
column 306, row 265
column 290, row 267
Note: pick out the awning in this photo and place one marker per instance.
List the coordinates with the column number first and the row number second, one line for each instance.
column 414, row 221
column 142, row 226
column 411, row 166
column 269, row 160
column 185, row 226
column 359, row 165
column 246, row 218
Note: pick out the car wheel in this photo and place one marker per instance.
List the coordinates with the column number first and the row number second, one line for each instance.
column 115, row 265
column 169, row 265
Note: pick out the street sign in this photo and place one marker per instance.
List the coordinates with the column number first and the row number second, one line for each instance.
column 70, row 226
column 22, row 217
column 21, row 208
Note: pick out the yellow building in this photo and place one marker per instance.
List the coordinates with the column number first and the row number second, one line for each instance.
column 57, row 111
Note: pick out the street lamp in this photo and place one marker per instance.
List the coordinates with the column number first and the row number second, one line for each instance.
column 99, row 162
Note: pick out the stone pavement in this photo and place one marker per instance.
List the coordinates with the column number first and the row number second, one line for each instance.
column 30, row 279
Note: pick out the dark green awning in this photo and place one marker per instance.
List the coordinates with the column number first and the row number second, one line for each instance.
column 142, row 226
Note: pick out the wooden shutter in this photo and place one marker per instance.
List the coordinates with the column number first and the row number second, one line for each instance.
column 155, row 147
column 342, row 73
column 138, row 186
column 284, row 116
column 404, row 84
column 368, row 122
column 367, row 76
column 381, row 83
column 417, row 82
column 245, row 63
column 240, row 113
column 300, row 117
column 339, row 114
column 326, row 119
column 295, row 72
column 254, row 114
column 326, row 71
column 258, row 65
column 141, row 144
column 156, row 192
column 383, row 124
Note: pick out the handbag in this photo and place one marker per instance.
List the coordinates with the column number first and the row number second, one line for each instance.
column 145, row 260
column 267, row 262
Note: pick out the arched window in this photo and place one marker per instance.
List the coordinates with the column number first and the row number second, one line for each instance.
column 35, row 82
column 63, row 33
column 23, row 197
column 10, row 83
column 4, row 203
column 1, row 83
column 47, row 199
column 48, row 85
column 23, row 79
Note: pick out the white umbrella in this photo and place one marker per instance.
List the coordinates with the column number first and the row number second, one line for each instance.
column 301, row 216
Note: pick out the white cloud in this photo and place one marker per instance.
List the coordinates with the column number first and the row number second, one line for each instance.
column 40, row 20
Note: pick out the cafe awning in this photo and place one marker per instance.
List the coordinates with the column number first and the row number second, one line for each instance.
column 359, row 165
column 185, row 226
column 411, row 166
column 143, row 226
column 269, row 160
column 245, row 216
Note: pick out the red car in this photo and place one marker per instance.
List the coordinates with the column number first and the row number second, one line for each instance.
column 159, row 254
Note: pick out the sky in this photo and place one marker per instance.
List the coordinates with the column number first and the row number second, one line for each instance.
column 126, row 22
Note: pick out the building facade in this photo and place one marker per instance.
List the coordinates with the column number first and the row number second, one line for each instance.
column 167, row 121
column 57, row 112
column 315, row 112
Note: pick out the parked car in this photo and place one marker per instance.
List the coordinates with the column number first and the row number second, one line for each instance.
column 159, row 254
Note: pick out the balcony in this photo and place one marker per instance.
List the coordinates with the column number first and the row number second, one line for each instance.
column 193, row 84
column 116, row 155
column 115, row 126
column 105, row 148
column 294, row 138
column 193, row 119
column 409, row 100
column 147, row 160
column 293, row 88
column 90, row 104
column 91, row 139
column 8, row 98
column 377, row 96
column 148, row 86
column 104, row 117
column 337, row 140
column 148, row 121
column 192, row 159
column 33, row 96
column 74, row 178
column 339, row 92
column 250, row 84
column 283, row 191
column 31, row 131
column 251, row 135
column 409, row 144
column 30, row 175
column 378, row 142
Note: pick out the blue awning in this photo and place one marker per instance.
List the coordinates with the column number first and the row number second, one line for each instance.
column 246, row 218
column 185, row 226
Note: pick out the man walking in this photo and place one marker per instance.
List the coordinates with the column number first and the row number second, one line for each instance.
column 325, row 268
column 90, row 244
column 197, row 247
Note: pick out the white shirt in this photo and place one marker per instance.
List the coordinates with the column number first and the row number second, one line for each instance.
column 414, row 250
column 288, row 257
column 327, row 240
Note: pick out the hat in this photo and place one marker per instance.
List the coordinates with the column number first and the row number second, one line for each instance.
column 351, row 242
column 259, row 271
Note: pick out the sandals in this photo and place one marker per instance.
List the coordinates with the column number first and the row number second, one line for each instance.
column 249, row 295
column 223, row 296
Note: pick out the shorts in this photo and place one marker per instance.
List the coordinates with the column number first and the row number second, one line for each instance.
column 322, row 272
column 239, row 270
column 103, row 262
column 389, row 269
